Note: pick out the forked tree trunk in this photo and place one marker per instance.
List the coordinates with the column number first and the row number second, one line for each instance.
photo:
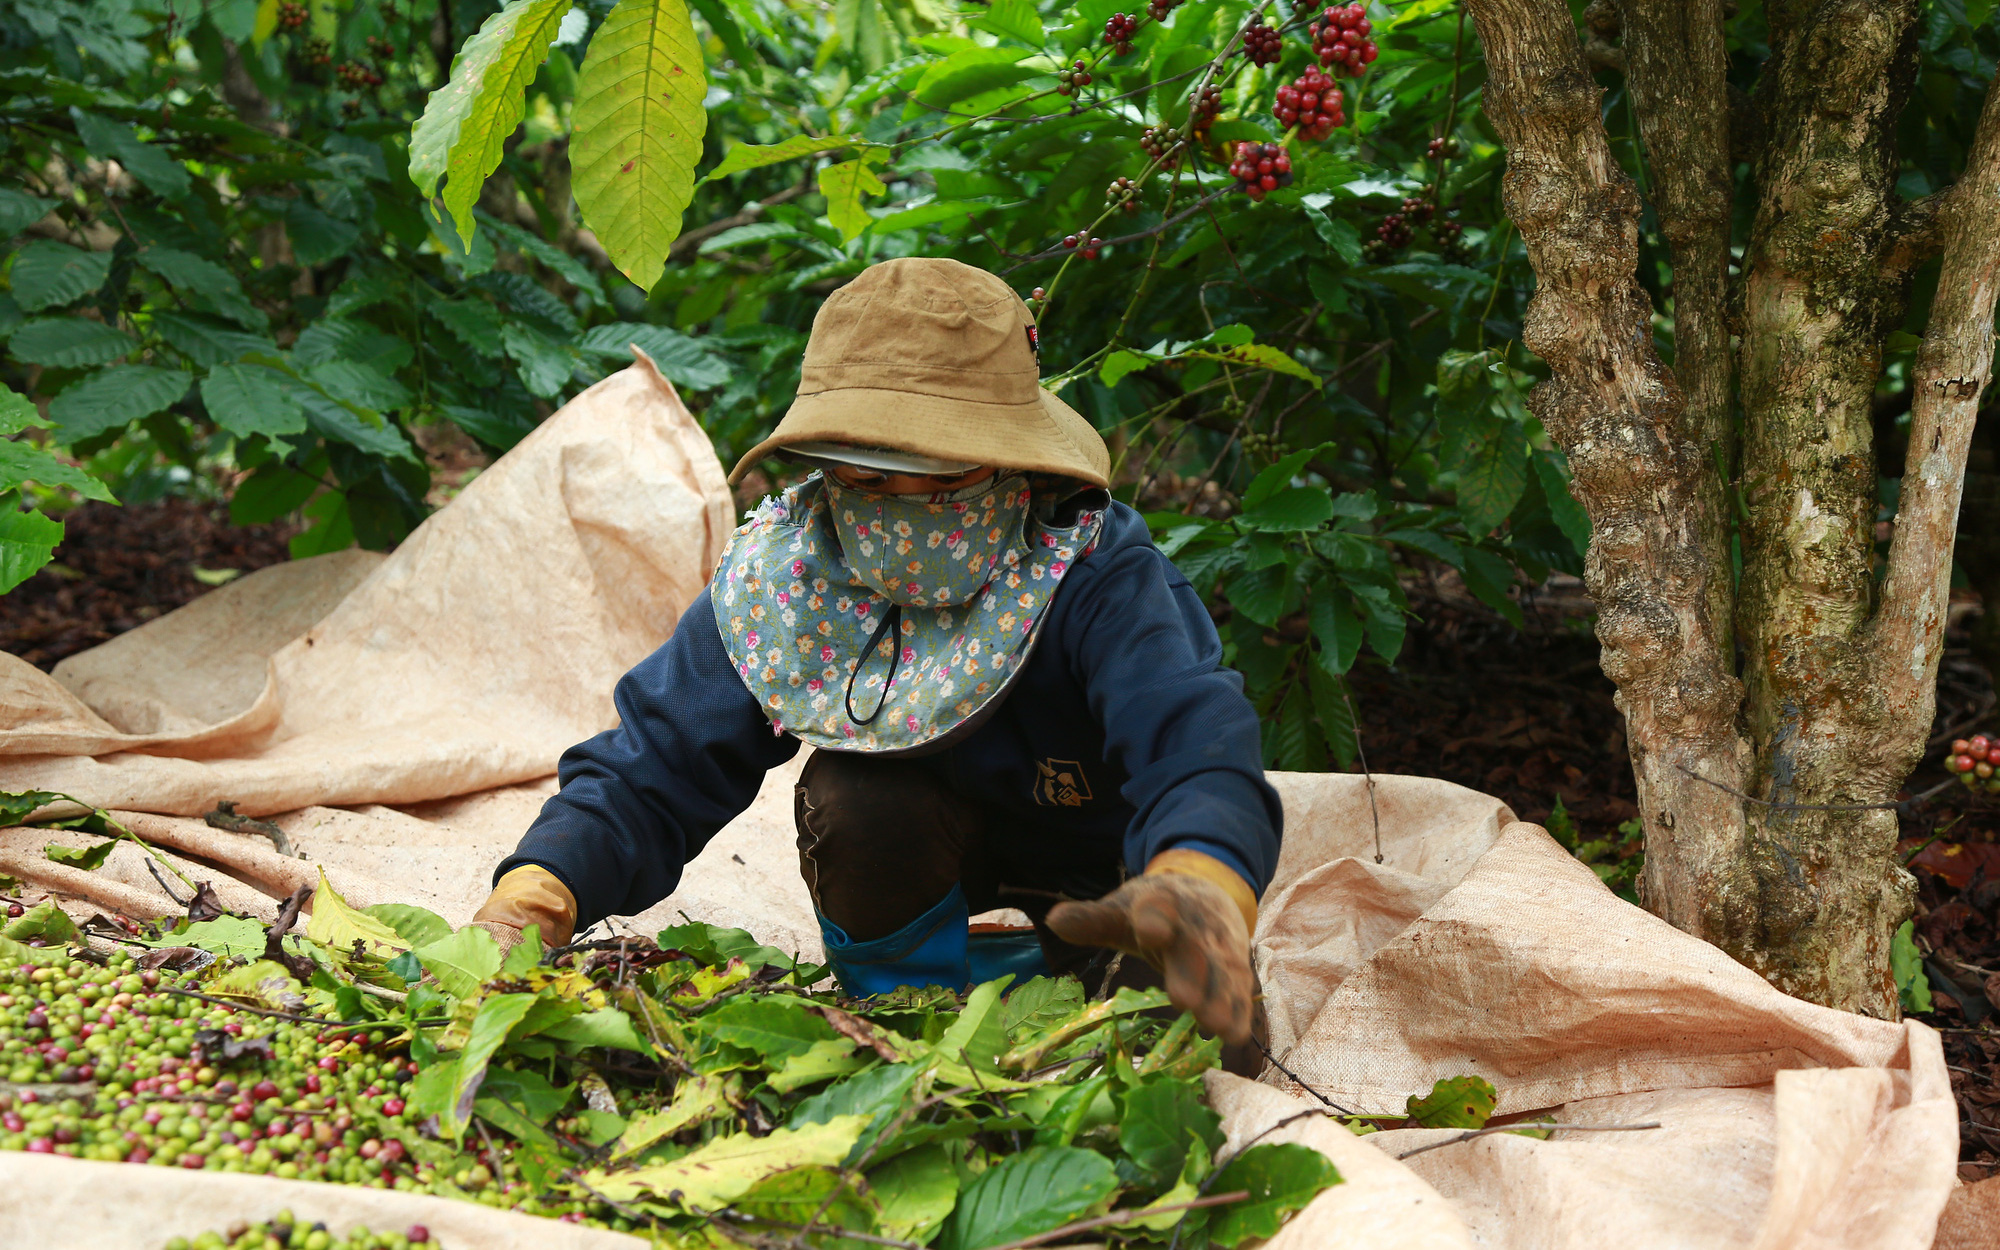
column 1754, row 791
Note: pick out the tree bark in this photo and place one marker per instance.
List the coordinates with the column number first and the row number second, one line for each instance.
column 1818, row 294
column 1639, row 452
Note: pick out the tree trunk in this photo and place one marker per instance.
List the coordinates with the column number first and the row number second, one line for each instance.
column 1657, row 566
column 1765, row 801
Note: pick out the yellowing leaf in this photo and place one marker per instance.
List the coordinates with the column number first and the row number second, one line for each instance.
column 843, row 185
column 337, row 926
column 722, row 1170
column 697, row 1099
column 821, row 1062
column 639, row 121
column 1260, row 356
column 469, row 117
column 757, row 155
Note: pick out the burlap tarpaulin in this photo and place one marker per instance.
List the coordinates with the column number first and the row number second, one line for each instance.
column 400, row 717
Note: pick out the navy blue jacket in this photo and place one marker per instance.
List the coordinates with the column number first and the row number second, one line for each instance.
column 1126, row 687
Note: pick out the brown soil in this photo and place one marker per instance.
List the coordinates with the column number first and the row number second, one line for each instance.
column 118, row 568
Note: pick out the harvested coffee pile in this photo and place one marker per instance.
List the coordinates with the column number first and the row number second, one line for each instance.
column 119, row 567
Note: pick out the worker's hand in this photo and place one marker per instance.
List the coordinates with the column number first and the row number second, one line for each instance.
column 1189, row 926
column 528, row 895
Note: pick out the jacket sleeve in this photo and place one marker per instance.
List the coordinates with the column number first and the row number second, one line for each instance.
column 641, row 800
column 1150, row 662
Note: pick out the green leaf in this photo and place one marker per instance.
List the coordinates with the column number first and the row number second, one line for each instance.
column 19, row 210
column 1335, row 713
column 149, row 163
column 1906, row 964
column 1455, row 1102
column 1261, row 594
column 473, row 322
column 18, row 412
column 713, row 944
column 319, row 237
column 338, row 927
column 810, row 1194
column 415, row 925
column 1121, row 364
column 498, row 1014
column 462, row 962
column 88, row 858
column 466, row 121
column 639, row 121
column 843, row 185
column 497, row 430
column 1041, row 1188
column 361, row 385
column 680, row 358
column 188, row 272
column 1553, row 470
column 230, row 937
column 697, row 1099
column 1172, row 73
column 969, row 72
column 69, row 342
column 45, row 921
column 27, row 542
column 1290, row 510
column 24, row 462
column 206, row 341
column 545, row 366
column 569, row 268
column 1281, row 1178
column 333, row 339
column 251, row 399
column 1159, row 1119
column 916, row 1191
column 776, row 1029
column 1261, row 356
column 744, row 156
column 274, row 490
column 329, row 418
column 1275, row 478
column 822, row 1061
column 114, row 397
column 1293, row 738
column 978, row 1037
column 47, row 274
column 1492, row 479
column 723, row 1169
column 1016, row 19
column 1041, row 1004
column 606, row 1026
column 1335, row 625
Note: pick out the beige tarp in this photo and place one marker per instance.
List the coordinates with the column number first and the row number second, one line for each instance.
column 399, row 718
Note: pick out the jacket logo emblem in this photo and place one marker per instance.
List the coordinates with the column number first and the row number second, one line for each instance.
column 1061, row 783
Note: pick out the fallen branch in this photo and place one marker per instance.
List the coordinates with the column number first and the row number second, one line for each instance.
column 224, row 817
column 255, row 866
column 1518, row 1128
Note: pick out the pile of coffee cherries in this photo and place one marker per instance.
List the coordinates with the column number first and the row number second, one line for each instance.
column 1341, row 39
column 106, row 1061
column 1976, row 760
column 286, row 1233
column 1312, row 103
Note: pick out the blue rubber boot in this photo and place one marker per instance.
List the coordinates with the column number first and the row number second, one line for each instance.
column 994, row 955
column 930, row 950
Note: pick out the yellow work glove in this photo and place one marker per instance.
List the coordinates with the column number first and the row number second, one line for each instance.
column 528, row 895
column 1190, row 917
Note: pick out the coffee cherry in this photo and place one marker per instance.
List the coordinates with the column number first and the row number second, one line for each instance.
column 1980, row 744
column 1122, row 193
column 1204, row 106
column 1158, row 9
column 1164, row 144
column 1312, row 103
column 1261, row 168
column 1072, row 80
column 1118, row 32
column 1442, row 146
column 1082, row 244
column 1262, row 44
column 292, row 15
column 1417, row 210
column 1341, row 39
column 318, row 52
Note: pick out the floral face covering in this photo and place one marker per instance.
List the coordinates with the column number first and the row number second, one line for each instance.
column 879, row 623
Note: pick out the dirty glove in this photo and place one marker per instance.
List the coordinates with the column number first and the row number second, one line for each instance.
column 528, row 895
column 1190, row 917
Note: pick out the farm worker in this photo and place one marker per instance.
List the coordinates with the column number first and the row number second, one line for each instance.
column 1014, row 698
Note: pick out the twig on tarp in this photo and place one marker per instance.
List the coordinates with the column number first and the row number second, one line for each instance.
column 178, row 900
column 1516, row 1128
column 1297, row 1080
column 224, row 817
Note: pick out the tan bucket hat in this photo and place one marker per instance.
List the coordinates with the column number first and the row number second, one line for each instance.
column 935, row 358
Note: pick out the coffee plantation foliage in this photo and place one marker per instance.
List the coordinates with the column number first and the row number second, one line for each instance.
column 699, row 1090
column 250, row 254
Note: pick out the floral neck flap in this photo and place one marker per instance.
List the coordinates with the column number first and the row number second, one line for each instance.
column 940, row 595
